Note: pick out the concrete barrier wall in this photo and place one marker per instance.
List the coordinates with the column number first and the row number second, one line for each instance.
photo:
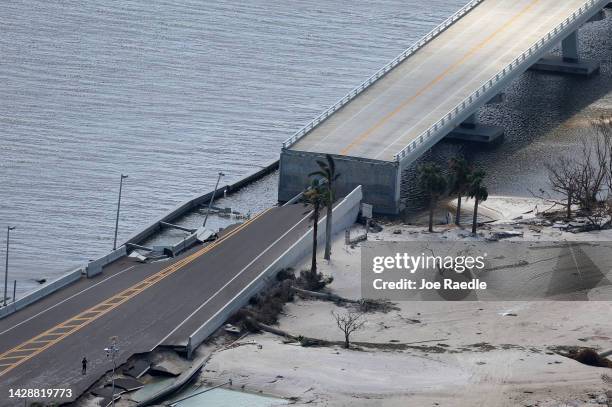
column 182, row 245
column 47, row 289
column 344, row 215
column 95, row 267
column 379, row 179
column 194, row 203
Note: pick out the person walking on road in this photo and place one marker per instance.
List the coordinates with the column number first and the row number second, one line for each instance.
column 84, row 363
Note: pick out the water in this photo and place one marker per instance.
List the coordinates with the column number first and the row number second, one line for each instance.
column 544, row 116
column 220, row 397
column 169, row 92
column 172, row 92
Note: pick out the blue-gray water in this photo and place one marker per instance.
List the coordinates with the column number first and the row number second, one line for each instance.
column 171, row 92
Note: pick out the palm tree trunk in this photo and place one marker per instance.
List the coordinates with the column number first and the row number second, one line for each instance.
column 315, row 229
column 458, row 214
column 328, row 230
column 475, row 219
column 431, row 214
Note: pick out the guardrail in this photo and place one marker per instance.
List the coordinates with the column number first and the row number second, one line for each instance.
column 344, row 215
column 380, row 73
column 476, row 97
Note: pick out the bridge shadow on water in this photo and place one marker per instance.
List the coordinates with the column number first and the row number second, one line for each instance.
column 544, row 115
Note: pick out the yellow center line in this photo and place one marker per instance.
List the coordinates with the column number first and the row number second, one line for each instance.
column 438, row 79
column 123, row 297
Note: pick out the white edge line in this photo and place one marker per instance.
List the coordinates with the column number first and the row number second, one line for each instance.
column 461, row 89
column 235, row 277
column 66, row 299
column 265, row 270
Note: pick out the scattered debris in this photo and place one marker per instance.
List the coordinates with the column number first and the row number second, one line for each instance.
column 586, row 356
column 128, row 384
column 322, row 296
column 384, row 306
column 232, row 329
column 138, row 256
column 504, row 235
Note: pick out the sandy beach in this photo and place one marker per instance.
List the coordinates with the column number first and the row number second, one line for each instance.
column 430, row 353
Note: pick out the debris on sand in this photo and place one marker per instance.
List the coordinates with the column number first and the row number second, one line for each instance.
column 587, row 356
column 505, row 235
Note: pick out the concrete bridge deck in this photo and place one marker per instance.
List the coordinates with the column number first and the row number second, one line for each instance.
column 144, row 305
column 433, row 90
column 421, row 90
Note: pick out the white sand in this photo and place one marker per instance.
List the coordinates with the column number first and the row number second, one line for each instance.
column 518, row 369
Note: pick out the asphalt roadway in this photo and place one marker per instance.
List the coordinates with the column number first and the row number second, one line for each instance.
column 395, row 110
column 143, row 305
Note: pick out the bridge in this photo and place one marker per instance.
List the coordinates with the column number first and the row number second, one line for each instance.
column 146, row 305
column 433, row 90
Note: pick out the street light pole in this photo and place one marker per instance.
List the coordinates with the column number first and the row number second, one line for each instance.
column 212, row 198
column 8, row 236
column 111, row 352
column 118, row 208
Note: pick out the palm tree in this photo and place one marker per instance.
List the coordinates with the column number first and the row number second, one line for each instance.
column 459, row 182
column 479, row 192
column 327, row 172
column 433, row 182
column 315, row 196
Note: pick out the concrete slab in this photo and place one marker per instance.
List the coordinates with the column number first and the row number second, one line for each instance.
column 128, row 384
column 166, row 368
column 138, row 368
column 168, row 301
column 557, row 64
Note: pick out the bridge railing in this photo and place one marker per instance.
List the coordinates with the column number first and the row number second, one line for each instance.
column 382, row 72
column 469, row 102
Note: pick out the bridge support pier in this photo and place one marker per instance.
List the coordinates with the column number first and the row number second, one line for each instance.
column 599, row 16
column 380, row 179
column 569, row 62
column 471, row 130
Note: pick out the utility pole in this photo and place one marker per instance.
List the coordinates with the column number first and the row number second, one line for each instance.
column 118, row 208
column 111, row 352
column 8, row 236
column 212, row 198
